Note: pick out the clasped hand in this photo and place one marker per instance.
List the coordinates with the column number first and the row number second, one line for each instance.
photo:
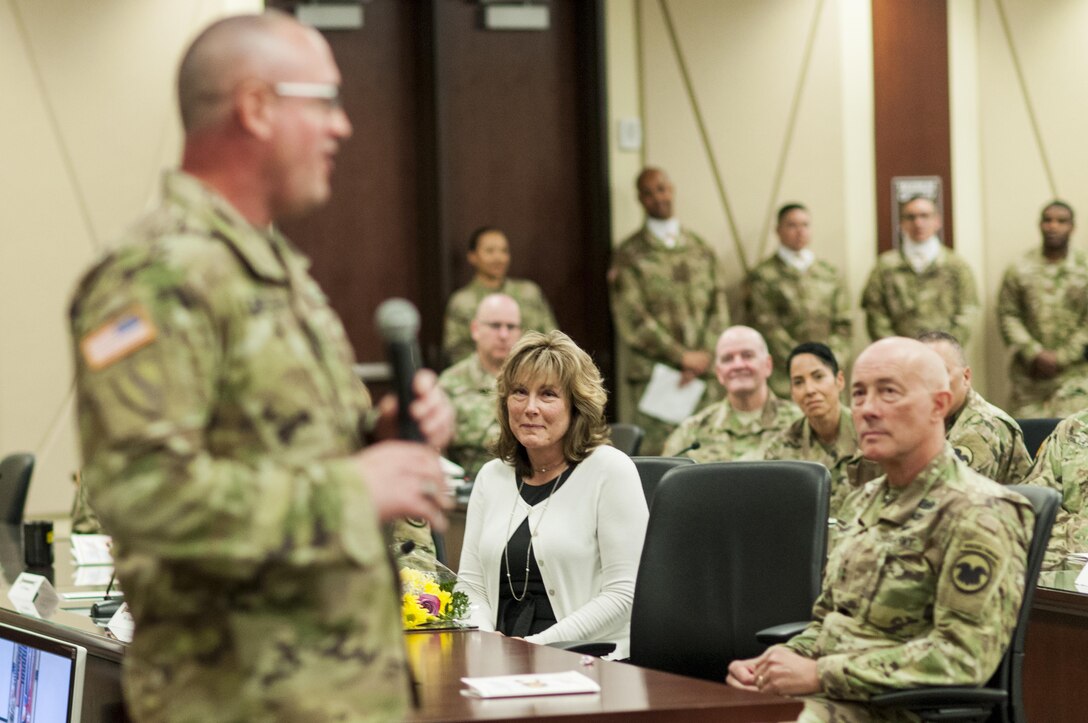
column 778, row 670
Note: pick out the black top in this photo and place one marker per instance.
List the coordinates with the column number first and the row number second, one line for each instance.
column 533, row 613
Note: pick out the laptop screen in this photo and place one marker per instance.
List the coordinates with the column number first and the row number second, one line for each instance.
column 41, row 678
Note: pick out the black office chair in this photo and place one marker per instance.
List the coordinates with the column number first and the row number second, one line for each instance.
column 731, row 547
column 1035, row 432
column 652, row 469
column 1001, row 699
column 627, row 438
column 15, row 471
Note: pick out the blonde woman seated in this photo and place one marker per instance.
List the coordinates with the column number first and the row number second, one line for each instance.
column 826, row 433
column 555, row 524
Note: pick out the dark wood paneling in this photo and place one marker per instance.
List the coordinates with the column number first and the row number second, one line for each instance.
column 365, row 243
column 1055, row 664
column 910, row 90
column 457, row 127
column 517, row 144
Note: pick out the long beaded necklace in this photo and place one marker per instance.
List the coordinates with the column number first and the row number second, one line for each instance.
column 532, row 535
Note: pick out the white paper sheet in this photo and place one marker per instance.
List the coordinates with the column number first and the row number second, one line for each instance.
column 666, row 400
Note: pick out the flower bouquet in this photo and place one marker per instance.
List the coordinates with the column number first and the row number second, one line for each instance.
column 428, row 600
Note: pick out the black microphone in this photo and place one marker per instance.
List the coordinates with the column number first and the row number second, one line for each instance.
column 398, row 323
column 690, row 448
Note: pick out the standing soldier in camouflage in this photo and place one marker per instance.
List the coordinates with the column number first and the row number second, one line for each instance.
column 793, row 297
column 926, row 579
column 826, row 433
column 489, row 255
column 982, row 435
column 921, row 286
column 740, row 426
column 1062, row 465
column 221, row 419
column 1043, row 312
column 470, row 383
column 668, row 301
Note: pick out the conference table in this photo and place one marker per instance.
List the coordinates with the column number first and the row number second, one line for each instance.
column 440, row 659
column 1056, row 664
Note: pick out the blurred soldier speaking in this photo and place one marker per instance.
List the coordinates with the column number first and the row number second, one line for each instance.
column 221, row 420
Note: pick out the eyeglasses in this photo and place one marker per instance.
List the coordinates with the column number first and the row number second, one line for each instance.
column 908, row 217
column 499, row 326
column 327, row 93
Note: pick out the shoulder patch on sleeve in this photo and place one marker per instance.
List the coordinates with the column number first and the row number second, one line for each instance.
column 130, row 330
column 964, row 453
column 973, row 568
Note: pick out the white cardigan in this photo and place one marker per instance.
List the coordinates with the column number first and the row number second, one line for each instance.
column 587, row 546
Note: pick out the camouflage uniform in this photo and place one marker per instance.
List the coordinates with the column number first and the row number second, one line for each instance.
column 472, row 393
column 665, row 301
column 789, row 307
column 849, row 470
column 217, row 455
column 724, row 436
column 1062, row 464
column 924, row 585
column 84, row 520
column 900, row 301
column 989, row 441
column 1041, row 306
column 457, row 342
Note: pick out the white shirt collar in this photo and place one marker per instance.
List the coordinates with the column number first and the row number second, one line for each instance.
column 800, row 260
column 665, row 230
column 920, row 254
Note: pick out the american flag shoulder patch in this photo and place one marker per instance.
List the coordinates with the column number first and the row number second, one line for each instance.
column 130, row 330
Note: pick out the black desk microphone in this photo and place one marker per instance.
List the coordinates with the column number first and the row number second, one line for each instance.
column 690, row 448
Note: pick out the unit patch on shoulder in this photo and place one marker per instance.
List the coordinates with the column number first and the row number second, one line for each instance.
column 964, row 452
column 130, row 330
column 973, row 569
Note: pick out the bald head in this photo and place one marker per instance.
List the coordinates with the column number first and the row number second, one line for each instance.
column 899, row 397
column 231, row 51
column 741, row 334
column 259, row 98
column 743, row 366
column 655, row 193
column 916, row 361
column 495, row 329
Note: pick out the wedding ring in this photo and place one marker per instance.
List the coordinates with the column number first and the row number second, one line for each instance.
column 759, row 681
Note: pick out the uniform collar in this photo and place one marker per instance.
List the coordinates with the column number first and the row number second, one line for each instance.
column 257, row 248
column 902, row 503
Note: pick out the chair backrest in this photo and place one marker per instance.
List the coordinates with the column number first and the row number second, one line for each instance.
column 652, row 469
column 1010, row 673
column 1035, row 431
column 627, row 438
column 15, row 471
column 731, row 548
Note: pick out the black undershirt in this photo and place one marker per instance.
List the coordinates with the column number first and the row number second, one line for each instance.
column 533, row 613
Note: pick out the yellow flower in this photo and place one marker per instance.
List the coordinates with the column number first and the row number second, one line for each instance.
column 412, row 613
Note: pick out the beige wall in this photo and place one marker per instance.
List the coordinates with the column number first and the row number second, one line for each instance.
column 746, row 59
column 1047, row 37
column 88, row 122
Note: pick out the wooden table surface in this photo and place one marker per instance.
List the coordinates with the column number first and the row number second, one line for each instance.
column 440, row 660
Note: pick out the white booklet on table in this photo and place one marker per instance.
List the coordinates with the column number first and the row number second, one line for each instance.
column 516, row 686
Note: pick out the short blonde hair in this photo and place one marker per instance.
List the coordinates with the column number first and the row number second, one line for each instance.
column 553, row 357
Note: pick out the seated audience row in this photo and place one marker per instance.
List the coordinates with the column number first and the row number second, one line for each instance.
column 930, row 618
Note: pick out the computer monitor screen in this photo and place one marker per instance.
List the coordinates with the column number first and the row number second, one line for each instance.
column 41, row 678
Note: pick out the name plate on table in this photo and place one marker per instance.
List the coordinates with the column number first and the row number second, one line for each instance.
column 33, row 595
